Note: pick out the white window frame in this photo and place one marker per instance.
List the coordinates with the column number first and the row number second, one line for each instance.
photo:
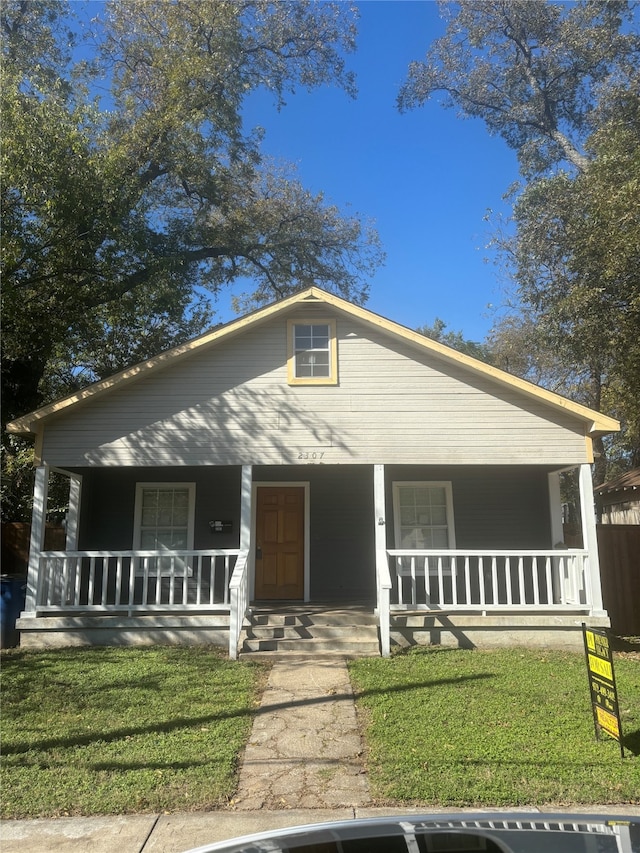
column 183, row 568
column 446, row 484
column 293, row 378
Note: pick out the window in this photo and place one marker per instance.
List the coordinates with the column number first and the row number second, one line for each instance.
column 164, row 518
column 312, row 352
column 423, row 515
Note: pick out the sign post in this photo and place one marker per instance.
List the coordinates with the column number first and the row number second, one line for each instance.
column 602, row 683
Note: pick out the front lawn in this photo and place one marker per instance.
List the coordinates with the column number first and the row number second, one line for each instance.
column 494, row 728
column 106, row 731
column 111, row 730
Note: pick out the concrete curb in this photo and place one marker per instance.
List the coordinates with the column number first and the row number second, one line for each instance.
column 176, row 833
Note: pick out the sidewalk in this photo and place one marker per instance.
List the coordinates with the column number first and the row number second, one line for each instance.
column 302, row 765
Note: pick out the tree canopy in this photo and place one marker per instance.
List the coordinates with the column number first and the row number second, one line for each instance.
column 537, row 73
column 560, row 83
column 132, row 189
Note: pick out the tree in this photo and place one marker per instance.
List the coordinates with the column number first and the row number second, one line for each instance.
column 132, row 192
column 576, row 258
column 117, row 218
column 535, row 72
column 457, row 341
column 559, row 83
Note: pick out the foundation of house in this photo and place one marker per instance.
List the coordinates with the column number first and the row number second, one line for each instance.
column 471, row 631
column 312, row 630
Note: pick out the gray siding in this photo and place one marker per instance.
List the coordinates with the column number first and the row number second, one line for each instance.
column 504, row 508
column 108, row 500
column 231, row 404
column 508, row 509
column 342, row 554
column 341, row 520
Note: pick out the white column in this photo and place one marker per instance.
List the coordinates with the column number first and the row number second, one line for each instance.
column 382, row 589
column 245, row 507
column 73, row 515
column 36, row 544
column 555, row 508
column 590, row 539
column 246, row 512
column 557, row 531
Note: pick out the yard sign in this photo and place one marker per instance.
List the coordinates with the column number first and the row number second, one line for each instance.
column 604, row 696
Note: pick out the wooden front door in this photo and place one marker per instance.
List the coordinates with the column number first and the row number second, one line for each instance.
column 280, row 542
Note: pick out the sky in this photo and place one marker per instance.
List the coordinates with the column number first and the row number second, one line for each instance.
column 426, row 178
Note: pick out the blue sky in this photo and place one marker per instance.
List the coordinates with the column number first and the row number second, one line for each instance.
column 426, row 177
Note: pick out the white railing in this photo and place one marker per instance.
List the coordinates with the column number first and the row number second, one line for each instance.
column 384, row 587
column 135, row 581
column 239, row 592
column 489, row 580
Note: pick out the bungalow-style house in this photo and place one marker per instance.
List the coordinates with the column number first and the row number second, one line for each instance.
column 305, row 471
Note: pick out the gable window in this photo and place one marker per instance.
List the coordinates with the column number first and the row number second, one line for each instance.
column 164, row 521
column 312, row 352
column 423, row 515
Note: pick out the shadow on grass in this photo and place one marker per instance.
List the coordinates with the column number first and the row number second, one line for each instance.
column 625, row 644
column 186, row 722
column 631, row 742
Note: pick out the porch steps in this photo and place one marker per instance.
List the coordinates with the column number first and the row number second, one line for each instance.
column 351, row 632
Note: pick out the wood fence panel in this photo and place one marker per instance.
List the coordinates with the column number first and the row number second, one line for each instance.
column 619, row 552
column 15, row 545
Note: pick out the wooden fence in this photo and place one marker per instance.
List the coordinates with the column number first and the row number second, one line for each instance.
column 15, row 545
column 619, row 551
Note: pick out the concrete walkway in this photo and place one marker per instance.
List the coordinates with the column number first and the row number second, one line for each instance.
column 305, row 750
column 302, row 765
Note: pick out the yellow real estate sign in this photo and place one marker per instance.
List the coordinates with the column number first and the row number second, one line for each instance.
column 604, row 696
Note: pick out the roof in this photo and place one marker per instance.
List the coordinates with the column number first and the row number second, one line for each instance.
column 625, row 483
column 33, row 422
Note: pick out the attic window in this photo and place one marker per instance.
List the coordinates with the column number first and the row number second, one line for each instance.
column 312, row 352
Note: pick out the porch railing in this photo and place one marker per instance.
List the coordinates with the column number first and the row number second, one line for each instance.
column 384, row 586
column 239, row 592
column 489, row 580
column 135, row 581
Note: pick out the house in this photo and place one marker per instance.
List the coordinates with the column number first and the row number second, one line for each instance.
column 313, row 458
column 618, row 501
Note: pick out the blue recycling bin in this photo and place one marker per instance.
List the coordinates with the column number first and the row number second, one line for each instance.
column 11, row 605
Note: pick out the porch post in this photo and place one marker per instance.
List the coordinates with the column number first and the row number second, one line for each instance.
column 36, row 542
column 245, row 508
column 239, row 584
column 555, row 508
column 557, row 531
column 73, row 515
column 589, row 533
column 382, row 569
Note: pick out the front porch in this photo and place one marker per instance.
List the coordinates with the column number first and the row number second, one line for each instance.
column 447, row 595
column 464, row 598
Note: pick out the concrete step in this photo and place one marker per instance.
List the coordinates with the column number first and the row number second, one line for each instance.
column 295, row 630
column 311, row 646
column 304, row 618
column 312, row 632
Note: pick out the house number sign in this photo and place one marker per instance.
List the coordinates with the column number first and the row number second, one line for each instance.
column 602, row 683
column 310, row 455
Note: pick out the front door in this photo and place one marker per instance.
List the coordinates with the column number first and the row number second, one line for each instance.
column 280, row 543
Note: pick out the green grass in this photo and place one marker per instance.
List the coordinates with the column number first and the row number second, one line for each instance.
column 110, row 730
column 494, row 728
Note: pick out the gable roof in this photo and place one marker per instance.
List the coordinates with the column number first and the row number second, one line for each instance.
column 629, row 482
column 32, row 423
